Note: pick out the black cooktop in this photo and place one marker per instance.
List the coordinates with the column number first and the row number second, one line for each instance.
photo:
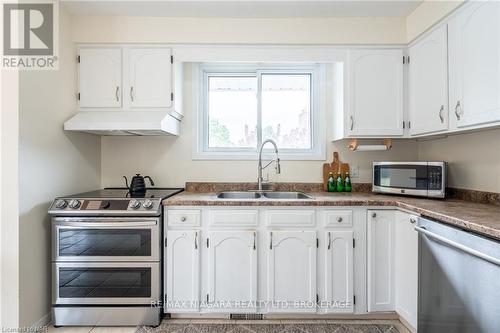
column 120, row 192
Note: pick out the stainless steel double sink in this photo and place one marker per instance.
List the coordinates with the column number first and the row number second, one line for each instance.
column 263, row 195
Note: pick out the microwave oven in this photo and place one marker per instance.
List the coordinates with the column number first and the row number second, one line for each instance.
column 426, row 179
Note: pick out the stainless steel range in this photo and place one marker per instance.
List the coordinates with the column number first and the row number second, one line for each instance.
column 106, row 257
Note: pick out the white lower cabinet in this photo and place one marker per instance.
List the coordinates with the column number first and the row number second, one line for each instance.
column 346, row 260
column 406, row 266
column 339, row 272
column 380, row 260
column 232, row 271
column 182, row 271
column 291, row 271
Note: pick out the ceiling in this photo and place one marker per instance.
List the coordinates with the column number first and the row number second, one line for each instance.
column 243, row 8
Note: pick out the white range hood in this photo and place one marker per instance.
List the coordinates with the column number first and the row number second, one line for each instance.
column 124, row 123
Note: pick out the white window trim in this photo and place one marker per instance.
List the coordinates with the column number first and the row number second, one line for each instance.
column 200, row 113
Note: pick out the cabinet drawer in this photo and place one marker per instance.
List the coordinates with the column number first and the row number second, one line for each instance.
column 183, row 218
column 291, row 218
column 338, row 218
column 234, row 218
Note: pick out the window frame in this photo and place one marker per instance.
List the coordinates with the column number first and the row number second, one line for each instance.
column 201, row 74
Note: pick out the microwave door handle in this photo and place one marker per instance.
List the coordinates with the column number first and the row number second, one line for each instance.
column 129, row 225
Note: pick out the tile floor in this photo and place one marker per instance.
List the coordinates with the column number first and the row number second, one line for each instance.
column 265, row 326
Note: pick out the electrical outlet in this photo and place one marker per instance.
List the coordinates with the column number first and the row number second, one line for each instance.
column 354, row 171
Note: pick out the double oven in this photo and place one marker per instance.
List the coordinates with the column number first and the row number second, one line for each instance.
column 106, row 268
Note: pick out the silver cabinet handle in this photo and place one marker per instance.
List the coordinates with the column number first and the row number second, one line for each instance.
column 339, row 219
column 116, row 93
column 352, row 123
column 329, row 240
column 196, row 241
column 458, row 246
column 132, row 94
column 456, row 110
column 441, row 114
column 374, row 215
column 271, row 241
column 254, row 240
column 412, row 220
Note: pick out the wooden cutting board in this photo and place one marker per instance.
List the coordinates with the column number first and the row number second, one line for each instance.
column 334, row 167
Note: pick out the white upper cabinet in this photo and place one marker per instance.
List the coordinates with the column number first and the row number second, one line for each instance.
column 232, row 270
column 428, row 83
column 339, row 269
column 100, row 77
column 150, row 78
column 292, row 271
column 182, row 271
column 375, row 90
column 474, row 65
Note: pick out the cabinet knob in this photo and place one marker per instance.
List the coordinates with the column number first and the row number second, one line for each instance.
column 413, row 220
column 374, row 214
column 183, row 219
column 457, row 107
column 339, row 219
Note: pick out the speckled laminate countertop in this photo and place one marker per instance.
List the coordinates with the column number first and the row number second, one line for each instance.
column 481, row 218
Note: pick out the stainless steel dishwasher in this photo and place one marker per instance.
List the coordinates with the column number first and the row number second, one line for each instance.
column 459, row 280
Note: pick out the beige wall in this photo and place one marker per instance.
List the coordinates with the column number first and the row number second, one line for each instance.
column 426, row 15
column 168, row 159
column 474, row 159
column 105, row 29
column 52, row 163
column 9, row 204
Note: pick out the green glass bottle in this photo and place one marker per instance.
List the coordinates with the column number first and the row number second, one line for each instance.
column 347, row 183
column 331, row 183
column 340, row 183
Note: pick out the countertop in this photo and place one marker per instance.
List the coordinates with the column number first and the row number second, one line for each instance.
column 480, row 218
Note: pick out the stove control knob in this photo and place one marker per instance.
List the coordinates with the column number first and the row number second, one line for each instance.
column 148, row 204
column 74, row 204
column 61, row 204
column 134, row 204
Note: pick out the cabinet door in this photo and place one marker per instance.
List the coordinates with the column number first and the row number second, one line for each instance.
column 428, row 82
column 232, row 271
column 406, row 266
column 376, row 93
column 292, row 271
column 150, row 78
column 100, row 77
column 380, row 260
column 475, row 68
column 339, row 272
column 182, row 271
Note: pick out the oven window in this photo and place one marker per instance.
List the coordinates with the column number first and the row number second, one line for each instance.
column 104, row 282
column 104, row 242
column 401, row 176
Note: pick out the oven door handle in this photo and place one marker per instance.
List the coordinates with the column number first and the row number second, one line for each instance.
column 80, row 224
column 458, row 246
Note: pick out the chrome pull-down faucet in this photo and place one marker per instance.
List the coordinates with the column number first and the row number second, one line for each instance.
column 260, row 180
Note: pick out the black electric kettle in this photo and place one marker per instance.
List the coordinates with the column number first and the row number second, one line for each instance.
column 137, row 184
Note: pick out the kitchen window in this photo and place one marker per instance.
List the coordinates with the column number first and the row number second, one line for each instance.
column 240, row 106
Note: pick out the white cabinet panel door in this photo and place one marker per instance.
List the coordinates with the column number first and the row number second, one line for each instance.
column 150, row 81
column 291, row 272
column 428, row 83
column 475, row 65
column 406, row 266
column 381, row 260
column 100, row 77
column 339, row 272
column 232, row 270
column 376, row 93
column 182, row 271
